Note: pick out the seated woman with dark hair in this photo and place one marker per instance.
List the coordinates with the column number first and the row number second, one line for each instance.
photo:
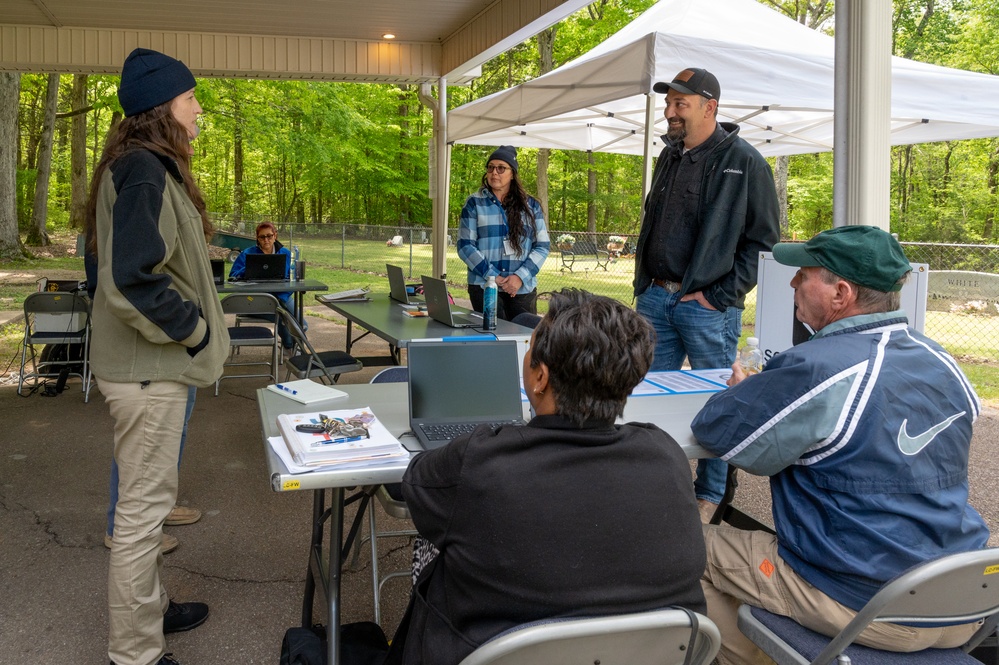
column 568, row 516
column 267, row 243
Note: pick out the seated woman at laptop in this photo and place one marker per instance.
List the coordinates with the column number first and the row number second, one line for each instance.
column 267, row 243
column 567, row 516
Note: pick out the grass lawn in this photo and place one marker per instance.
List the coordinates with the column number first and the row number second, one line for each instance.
column 361, row 263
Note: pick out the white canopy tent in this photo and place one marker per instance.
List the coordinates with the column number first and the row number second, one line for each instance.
column 776, row 77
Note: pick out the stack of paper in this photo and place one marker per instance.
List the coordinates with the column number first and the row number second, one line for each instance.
column 351, row 295
column 366, row 440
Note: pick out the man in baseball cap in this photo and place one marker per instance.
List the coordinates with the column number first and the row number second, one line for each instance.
column 692, row 81
column 711, row 210
column 864, row 255
column 864, row 430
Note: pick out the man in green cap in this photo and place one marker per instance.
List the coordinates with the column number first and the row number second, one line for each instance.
column 864, row 431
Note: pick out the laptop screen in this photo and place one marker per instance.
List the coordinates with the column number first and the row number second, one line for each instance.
column 218, row 270
column 464, row 381
column 397, row 283
column 266, row 266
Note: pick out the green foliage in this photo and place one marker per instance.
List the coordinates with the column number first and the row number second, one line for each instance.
column 809, row 194
column 320, row 153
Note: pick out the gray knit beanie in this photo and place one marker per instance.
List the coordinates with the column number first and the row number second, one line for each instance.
column 150, row 78
column 506, row 153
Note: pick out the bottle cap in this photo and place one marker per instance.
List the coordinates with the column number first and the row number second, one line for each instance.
column 752, row 341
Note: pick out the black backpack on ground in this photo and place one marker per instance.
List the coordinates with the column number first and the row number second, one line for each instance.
column 361, row 643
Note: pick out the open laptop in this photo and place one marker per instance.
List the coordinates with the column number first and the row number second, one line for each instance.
column 439, row 306
column 218, row 271
column 456, row 385
column 397, row 286
column 266, row 268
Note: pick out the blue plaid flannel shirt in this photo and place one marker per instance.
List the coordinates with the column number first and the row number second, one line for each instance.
column 480, row 242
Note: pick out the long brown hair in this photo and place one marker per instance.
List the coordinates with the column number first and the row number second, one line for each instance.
column 158, row 131
column 517, row 208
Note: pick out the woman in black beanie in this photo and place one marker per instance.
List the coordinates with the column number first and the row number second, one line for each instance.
column 158, row 332
column 503, row 234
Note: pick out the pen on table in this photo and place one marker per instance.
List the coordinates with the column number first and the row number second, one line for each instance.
column 326, row 442
column 286, row 389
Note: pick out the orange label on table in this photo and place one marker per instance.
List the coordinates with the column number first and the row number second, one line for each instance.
column 767, row 568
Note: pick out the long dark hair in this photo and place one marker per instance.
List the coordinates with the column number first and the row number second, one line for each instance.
column 158, row 131
column 517, row 210
column 596, row 349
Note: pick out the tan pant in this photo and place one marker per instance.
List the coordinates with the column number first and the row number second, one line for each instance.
column 148, row 422
column 735, row 574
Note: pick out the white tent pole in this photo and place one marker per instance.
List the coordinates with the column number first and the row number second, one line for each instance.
column 650, row 129
column 862, row 161
column 440, row 163
column 841, row 58
column 439, row 234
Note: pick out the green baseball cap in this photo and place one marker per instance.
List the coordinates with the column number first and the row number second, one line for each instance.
column 864, row 255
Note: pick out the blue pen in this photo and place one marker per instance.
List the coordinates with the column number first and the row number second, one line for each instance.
column 287, row 389
column 326, row 442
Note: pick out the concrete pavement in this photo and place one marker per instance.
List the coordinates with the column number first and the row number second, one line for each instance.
column 246, row 557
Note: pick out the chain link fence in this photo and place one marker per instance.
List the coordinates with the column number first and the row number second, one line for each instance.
column 962, row 300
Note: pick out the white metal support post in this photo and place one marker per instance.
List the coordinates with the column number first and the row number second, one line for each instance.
column 861, row 149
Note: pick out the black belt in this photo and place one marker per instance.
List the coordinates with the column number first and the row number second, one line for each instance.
column 672, row 287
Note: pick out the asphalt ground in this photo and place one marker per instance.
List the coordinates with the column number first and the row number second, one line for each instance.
column 247, row 556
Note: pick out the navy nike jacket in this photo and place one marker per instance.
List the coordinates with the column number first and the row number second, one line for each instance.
column 864, row 431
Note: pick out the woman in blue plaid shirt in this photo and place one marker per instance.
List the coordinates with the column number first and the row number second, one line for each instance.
column 503, row 233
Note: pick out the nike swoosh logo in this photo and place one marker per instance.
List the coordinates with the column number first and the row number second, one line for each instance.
column 910, row 445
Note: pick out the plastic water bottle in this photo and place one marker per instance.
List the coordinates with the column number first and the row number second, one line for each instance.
column 293, row 273
column 489, row 295
column 750, row 356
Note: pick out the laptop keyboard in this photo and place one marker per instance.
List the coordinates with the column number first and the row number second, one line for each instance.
column 448, row 431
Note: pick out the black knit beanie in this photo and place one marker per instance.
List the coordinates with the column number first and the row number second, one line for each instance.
column 150, row 78
column 507, row 153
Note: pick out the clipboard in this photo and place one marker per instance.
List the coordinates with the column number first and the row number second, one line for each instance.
column 306, row 391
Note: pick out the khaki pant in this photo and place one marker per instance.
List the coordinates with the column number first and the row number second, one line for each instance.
column 148, row 422
column 736, row 574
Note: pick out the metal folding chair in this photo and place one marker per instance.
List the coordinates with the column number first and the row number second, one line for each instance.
column 661, row 637
column 391, row 501
column 55, row 318
column 263, row 308
column 305, row 362
column 952, row 589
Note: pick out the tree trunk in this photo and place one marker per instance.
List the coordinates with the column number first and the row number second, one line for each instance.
column 238, row 193
column 546, row 42
column 780, row 182
column 988, row 228
column 78, row 154
column 544, row 155
column 942, row 193
column 37, row 234
column 591, row 194
column 10, row 242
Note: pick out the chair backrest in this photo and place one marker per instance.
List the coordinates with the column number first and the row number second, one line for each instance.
column 391, row 375
column 70, row 312
column 526, row 319
column 302, row 347
column 660, row 637
column 52, row 302
column 955, row 588
column 249, row 303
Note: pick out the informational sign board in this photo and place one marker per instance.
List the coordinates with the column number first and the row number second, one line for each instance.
column 778, row 329
column 959, row 289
